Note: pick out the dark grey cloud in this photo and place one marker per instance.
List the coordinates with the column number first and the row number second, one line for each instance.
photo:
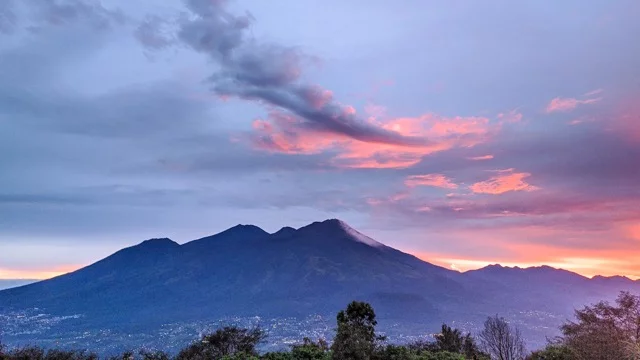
column 268, row 73
column 38, row 16
column 63, row 12
column 147, row 158
column 8, row 17
column 154, row 33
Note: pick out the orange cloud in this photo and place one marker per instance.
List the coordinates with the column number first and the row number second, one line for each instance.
column 287, row 134
column 568, row 104
column 436, row 180
column 506, row 181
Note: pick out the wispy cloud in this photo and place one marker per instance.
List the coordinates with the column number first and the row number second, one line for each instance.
column 512, row 116
column 506, row 181
column 567, row 104
column 288, row 134
column 479, row 158
column 435, row 180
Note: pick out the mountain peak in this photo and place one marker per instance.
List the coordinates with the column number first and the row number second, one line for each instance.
column 329, row 224
column 285, row 231
column 246, row 230
column 339, row 228
column 157, row 243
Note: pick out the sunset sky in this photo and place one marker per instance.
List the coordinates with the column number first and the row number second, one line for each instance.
column 464, row 132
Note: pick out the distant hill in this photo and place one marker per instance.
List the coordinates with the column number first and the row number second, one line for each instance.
column 10, row 283
column 316, row 269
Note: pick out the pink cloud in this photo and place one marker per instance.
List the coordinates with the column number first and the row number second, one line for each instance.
column 506, row 181
column 567, row 104
column 287, row 134
column 594, row 92
column 480, row 158
column 512, row 116
column 435, row 180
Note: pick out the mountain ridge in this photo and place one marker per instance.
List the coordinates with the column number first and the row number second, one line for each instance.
column 315, row 269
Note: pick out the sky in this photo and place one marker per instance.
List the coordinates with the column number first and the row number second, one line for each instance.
column 465, row 132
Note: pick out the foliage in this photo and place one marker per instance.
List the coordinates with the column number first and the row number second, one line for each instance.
column 154, row 355
column 230, row 341
column 453, row 341
column 501, row 340
column 310, row 350
column 553, row 352
column 355, row 336
column 441, row 355
column 606, row 331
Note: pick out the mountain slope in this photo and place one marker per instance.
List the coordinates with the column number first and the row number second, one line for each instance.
column 10, row 283
column 245, row 270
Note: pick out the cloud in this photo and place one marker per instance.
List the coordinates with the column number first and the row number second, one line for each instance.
column 479, row 158
column 288, row 134
column 594, row 92
column 8, row 17
column 506, row 181
column 39, row 16
column 436, row 180
column 268, row 73
column 512, row 116
column 155, row 33
column 567, row 104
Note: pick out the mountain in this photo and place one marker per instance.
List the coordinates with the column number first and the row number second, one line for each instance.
column 243, row 271
column 10, row 283
column 293, row 273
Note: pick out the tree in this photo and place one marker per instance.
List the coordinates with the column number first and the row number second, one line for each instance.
column 452, row 340
column 606, row 331
column 441, row 355
column 154, row 355
column 395, row 352
column 355, row 336
column 471, row 350
column 502, row 341
column 226, row 342
column 553, row 352
column 310, row 350
column 449, row 339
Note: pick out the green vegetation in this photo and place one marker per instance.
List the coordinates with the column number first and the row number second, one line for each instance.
column 602, row 331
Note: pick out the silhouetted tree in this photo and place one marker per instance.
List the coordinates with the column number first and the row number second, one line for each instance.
column 278, row 355
column 395, row 352
column 310, row 350
column 501, row 340
column 228, row 341
column 553, row 352
column 421, row 346
column 127, row 355
column 441, row 355
column 449, row 339
column 154, row 355
column 355, row 336
column 606, row 331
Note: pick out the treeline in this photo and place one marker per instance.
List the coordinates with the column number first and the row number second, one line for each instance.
column 602, row 331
